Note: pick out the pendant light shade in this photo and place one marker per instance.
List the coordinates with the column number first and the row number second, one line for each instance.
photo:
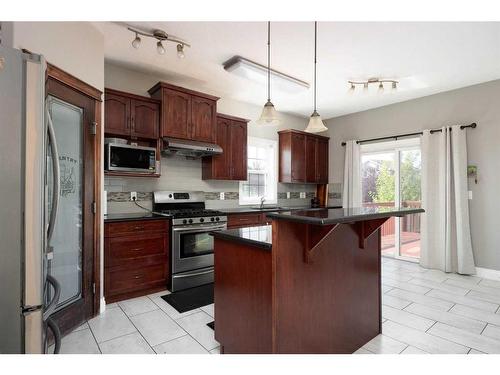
column 269, row 116
column 315, row 122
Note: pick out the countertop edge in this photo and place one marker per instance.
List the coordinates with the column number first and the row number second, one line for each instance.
column 343, row 220
column 246, row 241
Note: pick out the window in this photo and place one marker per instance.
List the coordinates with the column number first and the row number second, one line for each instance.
column 390, row 176
column 262, row 172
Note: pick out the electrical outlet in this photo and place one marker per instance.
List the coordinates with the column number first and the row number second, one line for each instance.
column 302, row 194
column 287, row 195
column 221, row 196
column 470, row 194
column 133, row 196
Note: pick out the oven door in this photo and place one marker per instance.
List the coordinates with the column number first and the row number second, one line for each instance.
column 193, row 247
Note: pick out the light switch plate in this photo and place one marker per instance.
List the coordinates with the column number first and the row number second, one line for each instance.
column 302, row 194
column 470, row 194
column 221, row 196
column 287, row 195
column 133, row 196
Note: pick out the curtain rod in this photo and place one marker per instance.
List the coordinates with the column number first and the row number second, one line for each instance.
column 395, row 137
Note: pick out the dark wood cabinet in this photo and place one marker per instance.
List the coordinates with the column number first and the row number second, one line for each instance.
column 116, row 114
column 247, row 220
column 231, row 135
column 135, row 258
column 145, row 119
column 130, row 115
column 203, row 119
column 186, row 114
column 303, row 157
column 322, row 161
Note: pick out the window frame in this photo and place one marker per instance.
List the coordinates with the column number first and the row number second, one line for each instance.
column 271, row 196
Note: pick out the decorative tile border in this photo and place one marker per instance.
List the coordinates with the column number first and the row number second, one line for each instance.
column 124, row 196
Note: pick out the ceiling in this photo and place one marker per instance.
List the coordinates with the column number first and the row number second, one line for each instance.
column 425, row 57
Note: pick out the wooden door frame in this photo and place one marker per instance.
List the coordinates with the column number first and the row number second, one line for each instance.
column 59, row 76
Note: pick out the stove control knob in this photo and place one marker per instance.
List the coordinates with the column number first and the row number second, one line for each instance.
column 190, row 221
column 217, row 219
column 170, row 195
column 202, row 220
column 184, row 221
column 212, row 219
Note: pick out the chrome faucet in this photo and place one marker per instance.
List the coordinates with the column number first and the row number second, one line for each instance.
column 262, row 200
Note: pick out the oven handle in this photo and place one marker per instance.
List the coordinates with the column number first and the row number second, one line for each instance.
column 193, row 274
column 197, row 229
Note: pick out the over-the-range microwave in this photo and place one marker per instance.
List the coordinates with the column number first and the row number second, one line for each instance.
column 129, row 158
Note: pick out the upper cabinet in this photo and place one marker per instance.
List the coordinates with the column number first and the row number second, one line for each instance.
column 231, row 135
column 186, row 114
column 130, row 115
column 303, row 157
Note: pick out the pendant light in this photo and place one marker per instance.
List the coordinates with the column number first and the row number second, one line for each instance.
column 269, row 116
column 315, row 122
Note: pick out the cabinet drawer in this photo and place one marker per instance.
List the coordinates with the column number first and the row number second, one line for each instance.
column 119, row 280
column 244, row 220
column 137, row 226
column 122, row 248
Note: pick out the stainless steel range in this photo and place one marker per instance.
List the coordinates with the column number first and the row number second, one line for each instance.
column 192, row 248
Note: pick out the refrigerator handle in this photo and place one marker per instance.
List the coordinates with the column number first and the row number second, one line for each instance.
column 56, row 173
column 56, row 333
column 49, row 309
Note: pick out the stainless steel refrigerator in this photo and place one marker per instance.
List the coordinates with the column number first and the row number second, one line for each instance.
column 29, row 193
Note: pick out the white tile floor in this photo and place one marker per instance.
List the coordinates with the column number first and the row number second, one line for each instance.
column 424, row 311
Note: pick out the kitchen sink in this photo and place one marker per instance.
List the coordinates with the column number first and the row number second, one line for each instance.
column 268, row 208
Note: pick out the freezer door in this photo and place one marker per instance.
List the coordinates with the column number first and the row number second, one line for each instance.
column 34, row 227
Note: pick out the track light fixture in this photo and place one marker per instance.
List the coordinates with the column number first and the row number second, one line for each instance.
column 161, row 36
column 368, row 82
column 136, row 42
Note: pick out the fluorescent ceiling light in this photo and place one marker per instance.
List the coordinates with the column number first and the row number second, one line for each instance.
column 258, row 73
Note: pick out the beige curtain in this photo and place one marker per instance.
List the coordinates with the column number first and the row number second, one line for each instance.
column 351, row 196
column 445, row 239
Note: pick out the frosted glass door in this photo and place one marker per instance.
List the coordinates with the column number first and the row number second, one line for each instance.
column 67, row 241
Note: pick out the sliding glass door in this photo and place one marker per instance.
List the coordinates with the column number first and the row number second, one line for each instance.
column 390, row 177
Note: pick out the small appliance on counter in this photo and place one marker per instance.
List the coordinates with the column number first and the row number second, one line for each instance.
column 315, row 202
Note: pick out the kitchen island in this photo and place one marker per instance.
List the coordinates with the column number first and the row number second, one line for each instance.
column 309, row 283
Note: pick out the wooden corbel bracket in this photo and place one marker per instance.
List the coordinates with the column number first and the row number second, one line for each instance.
column 315, row 239
column 365, row 229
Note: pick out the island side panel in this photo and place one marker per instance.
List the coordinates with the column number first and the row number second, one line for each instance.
column 242, row 296
column 331, row 305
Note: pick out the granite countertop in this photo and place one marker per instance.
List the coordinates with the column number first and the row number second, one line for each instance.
column 328, row 216
column 133, row 216
column 259, row 236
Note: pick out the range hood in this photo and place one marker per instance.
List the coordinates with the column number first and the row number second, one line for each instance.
column 192, row 149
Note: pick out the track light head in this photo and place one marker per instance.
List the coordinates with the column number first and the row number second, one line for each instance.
column 136, row 42
column 394, row 86
column 160, row 48
column 381, row 88
column 180, row 51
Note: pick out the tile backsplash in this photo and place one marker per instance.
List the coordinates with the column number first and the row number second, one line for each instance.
column 180, row 174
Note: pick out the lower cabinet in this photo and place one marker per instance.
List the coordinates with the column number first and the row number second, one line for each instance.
column 135, row 258
column 247, row 220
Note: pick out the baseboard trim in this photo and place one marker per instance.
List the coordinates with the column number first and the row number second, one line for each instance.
column 487, row 273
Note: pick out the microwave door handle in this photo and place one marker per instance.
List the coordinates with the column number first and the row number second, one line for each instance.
column 56, row 176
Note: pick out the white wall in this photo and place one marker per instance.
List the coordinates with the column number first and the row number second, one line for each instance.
column 75, row 47
column 478, row 104
column 178, row 173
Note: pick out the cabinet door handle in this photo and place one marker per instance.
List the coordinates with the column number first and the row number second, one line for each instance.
column 136, row 277
column 139, row 228
column 137, row 249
